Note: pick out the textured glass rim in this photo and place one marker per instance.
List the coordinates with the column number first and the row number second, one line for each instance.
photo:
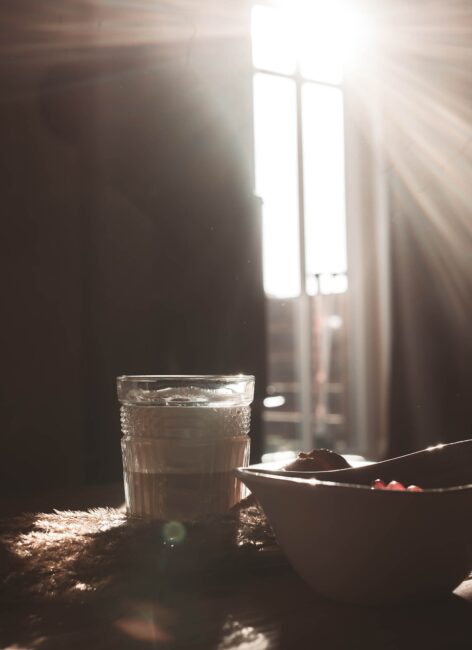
column 165, row 390
column 223, row 378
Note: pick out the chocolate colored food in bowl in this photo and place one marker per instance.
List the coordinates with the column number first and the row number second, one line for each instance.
column 317, row 460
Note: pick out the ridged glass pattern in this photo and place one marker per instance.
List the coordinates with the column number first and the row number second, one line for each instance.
column 179, row 454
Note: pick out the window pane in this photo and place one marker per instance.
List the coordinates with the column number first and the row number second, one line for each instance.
column 273, row 45
column 275, row 133
column 323, row 155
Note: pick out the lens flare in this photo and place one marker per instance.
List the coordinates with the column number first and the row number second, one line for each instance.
column 173, row 532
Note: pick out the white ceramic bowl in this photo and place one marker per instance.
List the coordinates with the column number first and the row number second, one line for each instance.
column 357, row 545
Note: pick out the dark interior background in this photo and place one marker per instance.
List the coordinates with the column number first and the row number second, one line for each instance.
column 428, row 72
column 131, row 237
column 132, row 241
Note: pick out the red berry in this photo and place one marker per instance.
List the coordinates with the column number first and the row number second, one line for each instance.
column 395, row 485
column 378, row 484
column 414, row 488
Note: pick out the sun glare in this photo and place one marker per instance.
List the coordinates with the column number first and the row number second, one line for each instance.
column 324, row 38
column 331, row 35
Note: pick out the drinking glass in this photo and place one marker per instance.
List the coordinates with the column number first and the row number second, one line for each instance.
column 182, row 437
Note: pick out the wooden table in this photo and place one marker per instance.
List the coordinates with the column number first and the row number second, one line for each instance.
column 255, row 605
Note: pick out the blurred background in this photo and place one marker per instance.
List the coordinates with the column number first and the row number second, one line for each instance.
column 212, row 186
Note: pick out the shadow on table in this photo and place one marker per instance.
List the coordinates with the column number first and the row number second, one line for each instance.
column 98, row 580
column 292, row 616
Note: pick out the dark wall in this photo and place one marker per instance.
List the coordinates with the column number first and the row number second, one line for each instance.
column 432, row 351
column 132, row 240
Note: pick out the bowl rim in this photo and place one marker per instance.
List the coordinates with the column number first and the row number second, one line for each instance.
column 266, row 476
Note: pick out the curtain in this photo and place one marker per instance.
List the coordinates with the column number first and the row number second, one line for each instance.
column 409, row 178
column 369, row 272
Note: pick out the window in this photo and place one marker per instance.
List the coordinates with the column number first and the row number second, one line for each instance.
column 300, row 51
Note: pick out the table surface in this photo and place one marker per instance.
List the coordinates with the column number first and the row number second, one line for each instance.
column 260, row 606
